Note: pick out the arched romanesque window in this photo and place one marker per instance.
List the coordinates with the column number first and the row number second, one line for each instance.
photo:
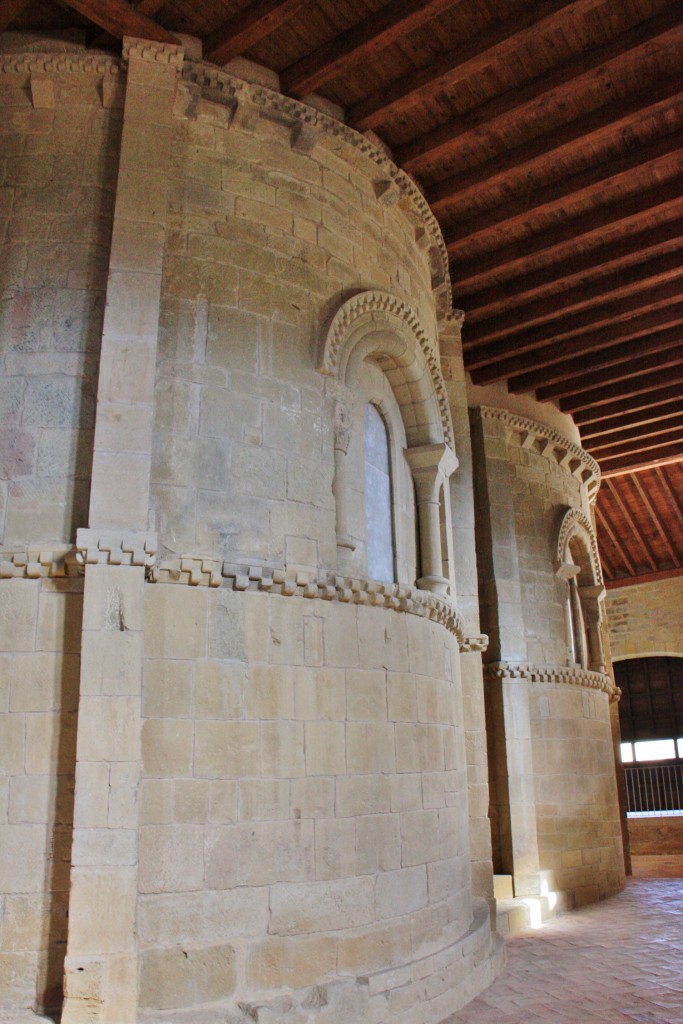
column 578, row 565
column 379, row 356
column 379, row 516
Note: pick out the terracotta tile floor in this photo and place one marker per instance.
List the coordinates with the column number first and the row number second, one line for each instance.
column 616, row 962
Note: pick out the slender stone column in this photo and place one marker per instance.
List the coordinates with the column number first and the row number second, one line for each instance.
column 117, row 550
column 431, row 466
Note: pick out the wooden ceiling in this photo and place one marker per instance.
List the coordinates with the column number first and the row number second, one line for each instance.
column 547, row 137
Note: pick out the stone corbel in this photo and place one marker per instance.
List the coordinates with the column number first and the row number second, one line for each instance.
column 111, row 547
column 304, row 137
column 431, row 466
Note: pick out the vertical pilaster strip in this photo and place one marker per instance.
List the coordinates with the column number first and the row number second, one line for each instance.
column 117, row 551
column 464, row 567
column 514, row 829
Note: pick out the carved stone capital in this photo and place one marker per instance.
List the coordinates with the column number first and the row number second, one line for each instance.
column 111, row 547
column 343, row 424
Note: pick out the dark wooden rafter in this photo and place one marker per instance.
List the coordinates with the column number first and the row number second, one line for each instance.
column 515, row 368
column 631, row 388
column 257, row 21
column 626, row 436
column 460, row 63
column 362, row 41
column 623, row 508
column 620, row 215
column 581, row 267
column 645, row 577
column 616, row 467
column 9, row 10
column 608, row 313
column 580, row 187
column 609, row 286
column 668, row 490
column 119, row 19
column 630, row 404
column 637, row 450
column 621, row 369
column 566, row 370
column 605, row 525
column 149, row 7
column 656, row 520
column 641, row 419
column 555, row 85
column 592, row 129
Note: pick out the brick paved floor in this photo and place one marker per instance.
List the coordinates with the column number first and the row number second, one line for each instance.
column 616, row 962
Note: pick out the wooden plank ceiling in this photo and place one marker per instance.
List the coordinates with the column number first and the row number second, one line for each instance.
column 547, row 137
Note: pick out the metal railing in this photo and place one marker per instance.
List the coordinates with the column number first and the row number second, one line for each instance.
column 654, row 789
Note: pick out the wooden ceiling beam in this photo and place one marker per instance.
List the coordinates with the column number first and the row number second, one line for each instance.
column 604, row 524
column 642, row 542
column 363, row 41
column 580, row 267
column 668, row 490
column 641, row 420
column 566, row 369
column 645, row 577
column 581, row 187
column 426, row 151
column 626, row 435
column 639, row 448
column 656, row 520
column 120, row 19
column 612, row 467
column 647, row 383
column 150, row 7
column 254, row 23
column 623, row 216
column 9, row 11
column 586, row 293
column 547, row 353
column 625, row 368
column 524, row 160
column 631, row 404
column 470, row 57
column 478, row 355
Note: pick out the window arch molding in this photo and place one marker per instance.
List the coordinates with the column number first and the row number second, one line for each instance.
column 578, row 565
column 376, row 329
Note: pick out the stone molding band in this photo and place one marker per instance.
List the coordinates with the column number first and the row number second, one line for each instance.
column 553, row 674
column 97, row 547
column 551, row 444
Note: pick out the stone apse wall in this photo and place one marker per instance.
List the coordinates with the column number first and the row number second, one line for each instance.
column 550, row 712
column 251, row 774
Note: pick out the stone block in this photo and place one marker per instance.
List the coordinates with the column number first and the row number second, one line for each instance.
column 325, row 746
column 109, row 729
column 171, row 858
column 176, row 621
column 264, row 799
column 363, row 794
column 167, row 689
column 167, row 747
column 282, row 749
column 102, row 910
column 366, row 696
column 227, row 750
column 293, row 963
column 269, row 692
column 320, row 693
column 370, row 747
column 206, row 917
column 18, row 614
column 259, row 853
column 321, row 906
column 401, row 892
column 179, row 977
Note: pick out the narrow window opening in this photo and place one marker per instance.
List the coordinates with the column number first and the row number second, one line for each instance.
column 381, row 552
